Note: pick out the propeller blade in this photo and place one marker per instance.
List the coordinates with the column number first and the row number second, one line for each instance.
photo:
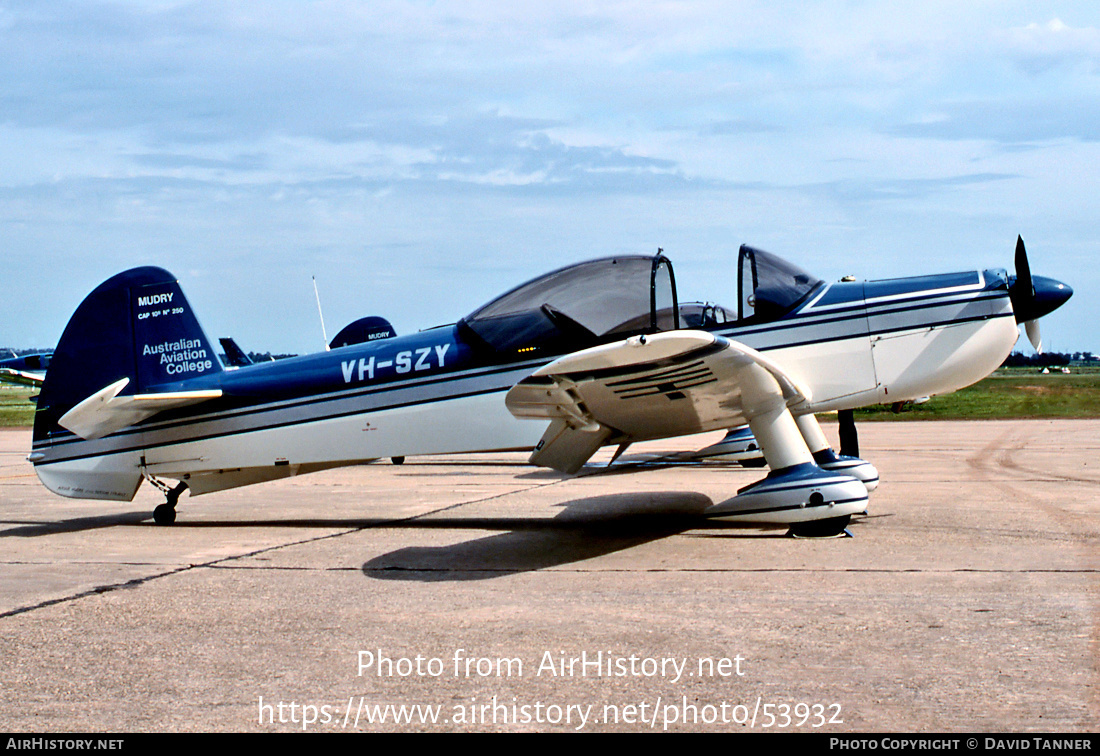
column 1022, row 289
column 1023, row 269
column 1033, row 335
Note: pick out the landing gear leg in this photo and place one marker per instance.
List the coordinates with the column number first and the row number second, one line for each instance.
column 849, row 438
column 797, row 492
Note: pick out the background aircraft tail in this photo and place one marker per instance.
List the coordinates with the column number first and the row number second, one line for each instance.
column 234, row 355
column 138, row 326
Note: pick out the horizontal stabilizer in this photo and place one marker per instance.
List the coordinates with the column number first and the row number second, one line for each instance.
column 105, row 412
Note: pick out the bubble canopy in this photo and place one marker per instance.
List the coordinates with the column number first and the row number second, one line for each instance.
column 614, row 298
column 581, row 305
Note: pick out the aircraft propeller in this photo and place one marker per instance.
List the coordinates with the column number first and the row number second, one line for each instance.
column 1033, row 296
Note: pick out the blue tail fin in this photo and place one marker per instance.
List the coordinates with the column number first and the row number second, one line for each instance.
column 136, row 325
column 234, row 355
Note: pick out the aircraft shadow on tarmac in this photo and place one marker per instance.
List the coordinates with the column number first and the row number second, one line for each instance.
column 585, row 529
column 76, row 524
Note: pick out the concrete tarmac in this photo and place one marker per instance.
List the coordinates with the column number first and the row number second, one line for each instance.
column 485, row 595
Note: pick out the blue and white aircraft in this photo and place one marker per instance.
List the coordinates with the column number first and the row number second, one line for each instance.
column 25, row 370
column 598, row 353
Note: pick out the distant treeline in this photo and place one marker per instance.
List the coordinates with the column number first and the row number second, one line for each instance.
column 1048, row 359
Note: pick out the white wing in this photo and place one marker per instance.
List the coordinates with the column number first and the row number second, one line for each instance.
column 647, row 387
column 21, row 377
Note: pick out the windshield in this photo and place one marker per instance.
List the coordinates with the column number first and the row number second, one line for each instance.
column 769, row 286
column 581, row 305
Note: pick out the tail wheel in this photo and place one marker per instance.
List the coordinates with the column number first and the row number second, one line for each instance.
column 165, row 514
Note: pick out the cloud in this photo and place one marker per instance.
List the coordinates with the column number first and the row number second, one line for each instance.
column 1022, row 121
column 1038, row 48
column 907, row 189
column 389, row 138
column 738, row 126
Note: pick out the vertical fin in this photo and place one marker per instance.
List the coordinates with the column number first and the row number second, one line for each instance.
column 136, row 325
column 169, row 344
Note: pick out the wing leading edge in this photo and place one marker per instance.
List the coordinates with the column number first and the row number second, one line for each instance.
column 21, row 377
column 647, row 387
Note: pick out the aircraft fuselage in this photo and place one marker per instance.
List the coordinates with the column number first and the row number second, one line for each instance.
column 437, row 391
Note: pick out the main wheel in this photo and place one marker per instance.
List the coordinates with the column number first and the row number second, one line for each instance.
column 831, row 528
column 165, row 514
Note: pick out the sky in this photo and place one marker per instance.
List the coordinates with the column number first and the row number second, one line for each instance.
column 418, row 158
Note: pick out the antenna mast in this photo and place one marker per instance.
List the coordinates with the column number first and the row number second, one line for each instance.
column 321, row 314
